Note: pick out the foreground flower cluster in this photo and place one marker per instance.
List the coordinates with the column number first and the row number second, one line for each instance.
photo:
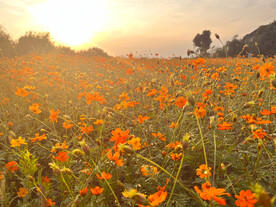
column 78, row 131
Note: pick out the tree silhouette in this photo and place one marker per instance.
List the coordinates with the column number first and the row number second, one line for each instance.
column 35, row 42
column 6, row 43
column 203, row 41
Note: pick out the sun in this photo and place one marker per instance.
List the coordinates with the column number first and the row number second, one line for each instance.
column 72, row 23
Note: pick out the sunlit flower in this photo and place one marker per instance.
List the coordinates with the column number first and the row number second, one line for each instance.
column 181, row 102
column 200, row 112
column 245, row 199
column 115, row 157
column 37, row 137
column 135, row 142
column 54, row 115
column 22, row 192
column 104, row 175
column 83, row 192
column 62, row 157
column 148, row 170
column 209, row 193
column 11, row 166
column 97, row 190
column 203, row 171
column 18, row 142
column 225, row 126
column 35, row 108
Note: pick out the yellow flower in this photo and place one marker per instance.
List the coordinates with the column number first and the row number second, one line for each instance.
column 17, row 142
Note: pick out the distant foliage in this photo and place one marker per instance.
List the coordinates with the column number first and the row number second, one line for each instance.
column 35, row 42
column 6, row 43
column 265, row 36
column 93, row 52
column 39, row 42
column 203, row 41
column 261, row 41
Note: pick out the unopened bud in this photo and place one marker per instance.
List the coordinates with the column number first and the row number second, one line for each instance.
column 55, row 168
column 191, row 100
column 140, row 199
column 274, row 83
column 126, row 148
column 77, row 152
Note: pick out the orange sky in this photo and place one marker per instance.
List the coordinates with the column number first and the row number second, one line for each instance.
column 144, row 26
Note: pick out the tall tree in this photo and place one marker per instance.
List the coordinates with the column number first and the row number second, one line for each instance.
column 6, row 43
column 33, row 42
column 203, row 41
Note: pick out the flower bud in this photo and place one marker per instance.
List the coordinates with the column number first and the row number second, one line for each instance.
column 55, row 168
column 140, row 199
column 249, row 104
column 222, row 166
column 274, row 83
column 77, row 152
column 126, row 149
column 85, row 147
column 191, row 100
column 163, row 153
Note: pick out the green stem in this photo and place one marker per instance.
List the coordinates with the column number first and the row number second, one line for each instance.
column 202, row 140
column 176, row 178
column 195, row 196
column 107, row 184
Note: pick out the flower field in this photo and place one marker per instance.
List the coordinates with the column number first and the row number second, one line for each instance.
column 78, row 131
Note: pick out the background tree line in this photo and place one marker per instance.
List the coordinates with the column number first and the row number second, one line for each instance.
column 261, row 41
column 38, row 42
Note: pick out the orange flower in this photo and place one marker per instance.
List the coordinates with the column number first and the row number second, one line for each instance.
column 209, row 193
column 245, row 199
column 200, row 112
column 259, row 133
column 45, row 179
column 115, row 158
column 203, row 171
column 225, row 126
column 54, row 115
column 104, row 176
column 97, row 190
column 11, row 166
column 152, row 92
column 35, row 108
column 266, row 70
column 50, row 202
column 83, row 192
column 62, row 157
column 160, row 136
column 22, row 192
column 148, row 170
column 67, row 124
column 37, row 137
column 158, row 197
column 141, row 119
column 175, row 156
column 99, row 122
column 181, row 102
column 94, row 97
column 85, row 129
column 265, row 112
column 119, row 136
column 22, row 92
column 17, row 142
column 173, row 125
column 135, row 142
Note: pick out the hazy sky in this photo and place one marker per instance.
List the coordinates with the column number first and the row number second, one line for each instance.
column 122, row 26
